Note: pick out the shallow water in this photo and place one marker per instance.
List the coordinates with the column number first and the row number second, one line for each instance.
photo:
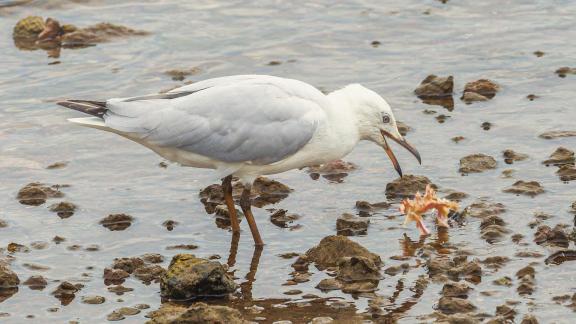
column 331, row 47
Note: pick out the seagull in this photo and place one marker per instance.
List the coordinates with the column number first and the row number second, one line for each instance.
column 246, row 126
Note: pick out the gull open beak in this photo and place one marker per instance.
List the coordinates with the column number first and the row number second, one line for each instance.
column 404, row 144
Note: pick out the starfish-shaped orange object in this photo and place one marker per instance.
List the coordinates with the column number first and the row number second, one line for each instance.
column 414, row 208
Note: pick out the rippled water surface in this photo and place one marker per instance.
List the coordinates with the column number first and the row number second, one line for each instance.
column 327, row 44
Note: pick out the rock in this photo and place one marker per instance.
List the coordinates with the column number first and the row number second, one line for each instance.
column 149, row 273
column 366, row 209
column 486, row 125
column 483, row 209
column 182, row 247
column 170, row 224
column 456, row 319
column 407, row 186
column 557, row 134
column 350, row 225
column 152, row 258
column 197, row 313
column 496, row 262
column 36, row 282
column 57, row 165
column 99, row 33
column 334, row 171
column 332, row 249
column 561, row 257
column 35, row 194
column 281, row 219
column 64, row 209
column 28, row 28
column 504, row 281
column 458, row 267
column 567, row 173
column 450, row 305
column 117, row 222
column 458, row 139
column 565, row 70
column 329, row 284
column 554, row 237
column 480, row 90
column 433, row 87
column 476, row 163
column 357, row 269
column 511, row 156
column 8, row 279
column 93, row 300
column 560, row 157
column 321, row 320
column 181, row 74
column 66, row 292
column 114, row 276
column 190, row 277
column 292, row 292
column 114, row 316
column 506, row 312
column 528, row 188
column 127, row 264
column 526, row 271
column 359, row 287
column 394, row 270
column 15, row 247
column 119, row 289
column 456, row 196
column 529, row 319
column 456, row 289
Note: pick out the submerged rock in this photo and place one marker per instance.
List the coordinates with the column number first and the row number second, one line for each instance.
column 331, row 249
column 476, row 163
column 36, row 282
column 456, row 290
column 407, row 186
column 66, row 292
column 64, row 209
column 555, row 237
column 435, row 87
column 450, row 305
column 484, row 209
column 36, row 194
column 511, row 156
column 560, row 257
column 350, row 225
column 479, row 90
column 329, row 284
column 198, row 313
column 189, row 277
column 458, row 267
column 567, row 172
column 560, row 157
column 334, row 171
column 565, row 70
column 528, row 188
column 557, row 134
column 117, row 222
column 282, row 219
column 357, row 268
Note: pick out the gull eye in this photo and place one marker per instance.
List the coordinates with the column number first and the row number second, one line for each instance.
column 385, row 119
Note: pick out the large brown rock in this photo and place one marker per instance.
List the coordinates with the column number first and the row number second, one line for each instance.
column 434, row 87
column 332, row 249
column 476, row 163
column 407, row 186
column 198, row 313
column 191, row 277
column 479, row 90
column 560, row 157
column 8, row 279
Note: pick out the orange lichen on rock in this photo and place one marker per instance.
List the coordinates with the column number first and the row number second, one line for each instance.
column 415, row 208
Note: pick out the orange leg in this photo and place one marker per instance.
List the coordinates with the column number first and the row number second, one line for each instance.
column 246, row 206
column 227, row 189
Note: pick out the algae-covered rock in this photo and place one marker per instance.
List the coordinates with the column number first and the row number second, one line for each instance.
column 29, row 27
column 190, row 277
column 198, row 313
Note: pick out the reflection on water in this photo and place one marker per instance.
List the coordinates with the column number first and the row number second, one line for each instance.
column 327, row 44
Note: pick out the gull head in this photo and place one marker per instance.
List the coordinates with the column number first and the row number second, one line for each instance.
column 377, row 123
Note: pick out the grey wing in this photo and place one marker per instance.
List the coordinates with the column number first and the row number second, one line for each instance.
column 258, row 121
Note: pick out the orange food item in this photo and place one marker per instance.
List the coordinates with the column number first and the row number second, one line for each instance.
column 415, row 208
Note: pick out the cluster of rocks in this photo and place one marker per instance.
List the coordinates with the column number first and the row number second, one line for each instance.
column 435, row 90
column 145, row 268
column 264, row 192
column 334, row 171
column 34, row 32
column 492, row 226
column 356, row 270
